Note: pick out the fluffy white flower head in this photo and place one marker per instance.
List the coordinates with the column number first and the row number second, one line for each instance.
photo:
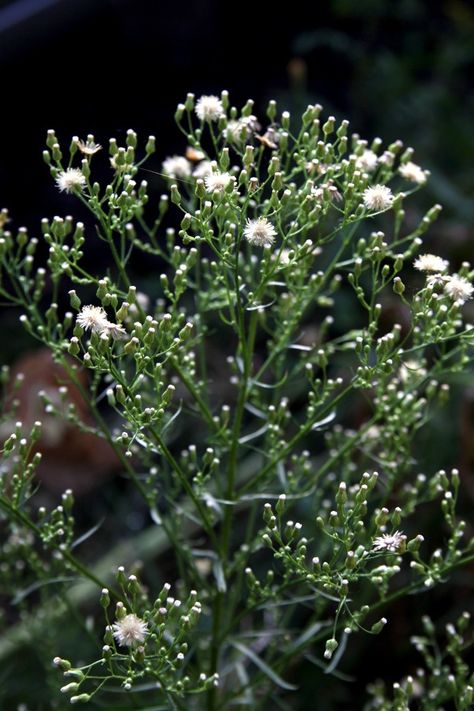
column 260, row 232
column 377, row 198
column 209, row 108
column 458, row 288
column 177, row 167
column 411, row 369
column 430, row 263
column 70, row 180
column 412, row 172
column 217, row 182
column 93, row 318
column 390, row 542
column 130, row 630
column 367, row 161
column 203, row 169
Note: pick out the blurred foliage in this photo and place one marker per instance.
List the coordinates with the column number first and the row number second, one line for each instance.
column 402, row 70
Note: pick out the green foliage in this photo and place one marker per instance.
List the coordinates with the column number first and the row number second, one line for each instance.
column 278, row 227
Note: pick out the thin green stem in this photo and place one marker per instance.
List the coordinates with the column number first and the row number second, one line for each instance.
column 207, row 524
column 206, row 413
column 23, row 519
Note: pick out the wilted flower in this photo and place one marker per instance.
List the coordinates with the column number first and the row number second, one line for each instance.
column 377, row 198
column 270, row 138
column 70, row 180
column 194, row 154
column 412, row 172
column 430, row 263
column 209, row 108
column 89, row 147
column 117, row 332
column 260, row 232
column 130, row 630
column 242, row 129
column 177, row 167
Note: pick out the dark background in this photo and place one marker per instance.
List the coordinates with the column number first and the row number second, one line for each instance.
column 395, row 69
column 398, row 69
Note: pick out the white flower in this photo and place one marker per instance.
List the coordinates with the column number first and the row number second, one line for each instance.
column 209, row 108
column 71, row 180
column 458, row 288
column 391, row 542
column 377, row 198
column 412, row 172
column 93, row 318
column 89, row 147
column 234, row 131
column 241, row 130
column 367, row 161
column 430, row 263
column 260, row 232
column 177, row 167
column 436, row 280
column 411, row 368
column 203, row 169
column 117, row 332
column 217, row 181
column 387, row 158
column 325, row 189
column 130, row 630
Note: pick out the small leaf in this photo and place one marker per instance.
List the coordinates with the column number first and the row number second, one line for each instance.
column 253, row 435
column 21, row 594
column 264, row 667
column 325, row 421
column 260, row 306
column 87, row 534
column 307, row 635
column 338, row 656
column 218, row 572
column 155, row 516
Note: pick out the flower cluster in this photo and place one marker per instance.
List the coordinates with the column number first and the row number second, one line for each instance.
column 278, row 349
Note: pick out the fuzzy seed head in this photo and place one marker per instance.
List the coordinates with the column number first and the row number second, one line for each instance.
column 177, row 167
column 70, row 180
column 367, row 161
column 209, row 108
column 430, row 263
column 93, row 318
column 130, row 630
column 217, row 182
column 377, row 198
column 458, row 288
column 260, row 232
column 413, row 173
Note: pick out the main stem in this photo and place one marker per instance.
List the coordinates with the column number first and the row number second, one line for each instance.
column 247, row 342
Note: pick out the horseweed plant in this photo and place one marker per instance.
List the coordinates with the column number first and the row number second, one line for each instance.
column 294, row 345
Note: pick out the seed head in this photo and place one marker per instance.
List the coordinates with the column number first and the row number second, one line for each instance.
column 130, row 630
